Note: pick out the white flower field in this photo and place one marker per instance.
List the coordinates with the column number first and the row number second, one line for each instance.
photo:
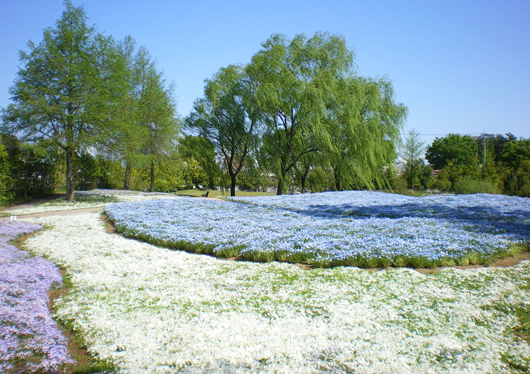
column 149, row 309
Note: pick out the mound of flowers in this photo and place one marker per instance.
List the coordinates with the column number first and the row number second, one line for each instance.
column 365, row 229
column 29, row 339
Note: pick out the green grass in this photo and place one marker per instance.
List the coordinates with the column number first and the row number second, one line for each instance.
column 220, row 194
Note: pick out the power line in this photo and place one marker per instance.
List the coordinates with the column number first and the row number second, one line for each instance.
column 471, row 133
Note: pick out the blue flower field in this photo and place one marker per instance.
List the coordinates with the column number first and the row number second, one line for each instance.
column 353, row 228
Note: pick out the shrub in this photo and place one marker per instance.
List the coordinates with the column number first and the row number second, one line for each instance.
column 467, row 185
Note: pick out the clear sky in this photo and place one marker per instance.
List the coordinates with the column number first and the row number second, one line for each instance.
column 459, row 66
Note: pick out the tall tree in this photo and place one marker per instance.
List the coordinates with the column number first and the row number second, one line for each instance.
column 145, row 106
column 363, row 124
column 63, row 90
column 291, row 77
column 156, row 112
column 124, row 136
column 412, row 152
column 225, row 117
column 516, row 157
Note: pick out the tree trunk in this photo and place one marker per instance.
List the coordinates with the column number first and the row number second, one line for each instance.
column 281, row 178
column 152, row 189
column 69, row 174
column 337, row 179
column 127, row 181
column 303, row 179
column 232, row 184
column 279, row 191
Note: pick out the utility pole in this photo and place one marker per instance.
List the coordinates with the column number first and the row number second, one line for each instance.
column 484, row 146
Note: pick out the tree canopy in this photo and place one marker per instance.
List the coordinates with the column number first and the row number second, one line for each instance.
column 292, row 78
column 64, row 90
column 456, row 149
column 412, row 152
column 226, row 118
column 80, row 90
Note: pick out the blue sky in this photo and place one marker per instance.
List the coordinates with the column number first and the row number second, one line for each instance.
column 459, row 66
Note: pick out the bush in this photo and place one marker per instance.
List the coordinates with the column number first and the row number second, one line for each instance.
column 467, row 185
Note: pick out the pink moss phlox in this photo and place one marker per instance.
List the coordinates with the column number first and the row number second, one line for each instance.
column 27, row 330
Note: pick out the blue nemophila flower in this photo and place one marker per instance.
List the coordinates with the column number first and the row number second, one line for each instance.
column 334, row 227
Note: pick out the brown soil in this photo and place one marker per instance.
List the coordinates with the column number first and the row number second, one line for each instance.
column 76, row 350
column 109, row 226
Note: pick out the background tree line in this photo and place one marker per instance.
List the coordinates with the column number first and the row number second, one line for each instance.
column 467, row 164
column 92, row 112
column 96, row 111
column 82, row 101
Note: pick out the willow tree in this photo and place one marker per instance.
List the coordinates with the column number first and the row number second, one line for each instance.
column 362, row 134
column 64, row 90
column 291, row 79
column 225, row 117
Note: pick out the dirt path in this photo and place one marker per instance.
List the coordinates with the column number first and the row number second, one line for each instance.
column 56, row 213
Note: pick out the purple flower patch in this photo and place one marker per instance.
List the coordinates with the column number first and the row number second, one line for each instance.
column 28, row 334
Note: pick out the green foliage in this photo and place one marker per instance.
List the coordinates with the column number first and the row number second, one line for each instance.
column 467, row 185
column 523, row 179
column 412, row 152
column 456, row 150
column 252, row 177
column 65, row 88
column 125, row 136
column 202, row 151
column 417, row 175
column 494, row 145
column 34, row 169
column 363, row 128
column 225, row 117
column 194, row 174
column 6, row 194
column 96, row 113
column 97, row 366
column 440, row 183
column 290, row 79
column 113, row 172
column 515, row 152
column 88, row 172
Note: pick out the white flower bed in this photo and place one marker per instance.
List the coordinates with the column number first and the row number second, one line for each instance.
column 154, row 310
